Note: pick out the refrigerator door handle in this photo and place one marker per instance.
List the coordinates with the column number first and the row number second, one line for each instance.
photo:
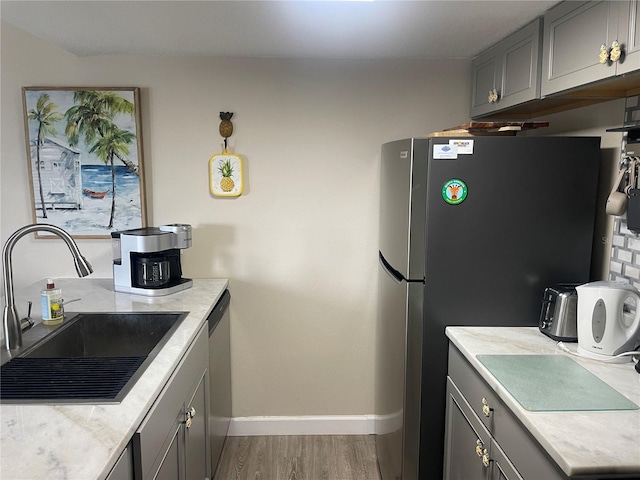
column 395, row 274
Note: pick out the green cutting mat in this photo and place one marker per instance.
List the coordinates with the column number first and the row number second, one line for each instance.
column 544, row 383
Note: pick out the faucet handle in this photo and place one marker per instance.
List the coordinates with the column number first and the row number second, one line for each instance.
column 26, row 323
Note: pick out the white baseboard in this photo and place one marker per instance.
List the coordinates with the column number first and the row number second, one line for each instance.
column 304, row 425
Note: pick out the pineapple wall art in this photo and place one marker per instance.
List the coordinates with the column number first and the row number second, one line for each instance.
column 225, row 169
column 225, row 172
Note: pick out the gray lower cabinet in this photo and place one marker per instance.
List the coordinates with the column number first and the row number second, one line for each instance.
column 483, row 440
column 170, row 465
column 575, row 33
column 465, row 440
column 172, row 442
column 196, row 434
column 123, row 469
column 502, row 468
column 471, row 453
column 508, row 73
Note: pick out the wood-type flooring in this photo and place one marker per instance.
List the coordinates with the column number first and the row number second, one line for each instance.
column 299, row 457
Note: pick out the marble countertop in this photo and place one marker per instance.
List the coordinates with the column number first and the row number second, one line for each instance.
column 84, row 441
column 580, row 442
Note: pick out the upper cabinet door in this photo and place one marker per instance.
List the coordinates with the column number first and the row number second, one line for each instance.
column 508, row 73
column 521, row 66
column 573, row 35
column 486, row 75
column 630, row 31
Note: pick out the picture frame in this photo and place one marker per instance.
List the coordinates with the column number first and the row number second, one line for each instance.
column 226, row 175
column 84, row 150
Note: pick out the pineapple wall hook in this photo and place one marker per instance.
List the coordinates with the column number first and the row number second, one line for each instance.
column 226, row 178
column 226, row 127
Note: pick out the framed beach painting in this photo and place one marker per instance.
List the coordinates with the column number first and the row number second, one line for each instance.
column 84, row 148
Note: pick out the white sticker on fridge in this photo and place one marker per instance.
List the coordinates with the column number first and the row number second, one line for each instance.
column 444, row 151
column 465, row 147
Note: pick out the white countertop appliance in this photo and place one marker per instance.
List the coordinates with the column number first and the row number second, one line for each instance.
column 608, row 319
column 146, row 261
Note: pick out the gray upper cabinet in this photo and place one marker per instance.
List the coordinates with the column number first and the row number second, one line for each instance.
column 508, row 73
column 574, row 35
column 630, row 28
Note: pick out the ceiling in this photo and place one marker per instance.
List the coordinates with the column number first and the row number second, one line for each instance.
column 284, row 29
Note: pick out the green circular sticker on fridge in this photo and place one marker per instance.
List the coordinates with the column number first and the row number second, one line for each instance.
column 454, row 191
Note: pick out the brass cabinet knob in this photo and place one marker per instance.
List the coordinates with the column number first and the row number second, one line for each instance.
column 604, row 54
column 190, row 414
column 479, row 447
column 493, row 96
column 486, row 409
column 616, row 51
column 485, row 458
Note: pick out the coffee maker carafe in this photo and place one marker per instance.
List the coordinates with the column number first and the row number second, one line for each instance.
column 146, row 261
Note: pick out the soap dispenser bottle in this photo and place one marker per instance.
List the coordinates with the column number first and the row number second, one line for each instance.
column 51, row 299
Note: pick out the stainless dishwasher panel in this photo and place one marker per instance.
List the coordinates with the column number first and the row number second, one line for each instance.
column 220, row 377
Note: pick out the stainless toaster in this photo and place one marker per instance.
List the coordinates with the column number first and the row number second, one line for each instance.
column 558, row 318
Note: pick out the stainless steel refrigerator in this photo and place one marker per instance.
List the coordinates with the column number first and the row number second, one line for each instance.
column 471, row 232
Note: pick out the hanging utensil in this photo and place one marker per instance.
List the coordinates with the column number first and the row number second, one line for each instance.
column 617, row 201
column 633, row 207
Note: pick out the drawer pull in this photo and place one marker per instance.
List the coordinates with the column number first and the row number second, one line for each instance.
column 190, row 414
column 485, row 458
column 479, row 447
column 486, row 409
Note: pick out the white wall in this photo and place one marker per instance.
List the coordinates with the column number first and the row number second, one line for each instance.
column 300, row 245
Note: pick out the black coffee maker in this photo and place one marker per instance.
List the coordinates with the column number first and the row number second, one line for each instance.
column 146, row 261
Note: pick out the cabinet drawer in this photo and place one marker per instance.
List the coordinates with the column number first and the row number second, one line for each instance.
column 482, row 399
column 517, row 443
column 157, row 430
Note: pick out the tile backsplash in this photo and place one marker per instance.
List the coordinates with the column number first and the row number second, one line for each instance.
column 625, row 254
column 625, row 245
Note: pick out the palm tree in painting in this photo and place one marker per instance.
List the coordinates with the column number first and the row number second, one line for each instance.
column 112, row 143
column 92, row 116
column 46, row 116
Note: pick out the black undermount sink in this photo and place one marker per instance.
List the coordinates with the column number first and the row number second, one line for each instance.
column 91, row 358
